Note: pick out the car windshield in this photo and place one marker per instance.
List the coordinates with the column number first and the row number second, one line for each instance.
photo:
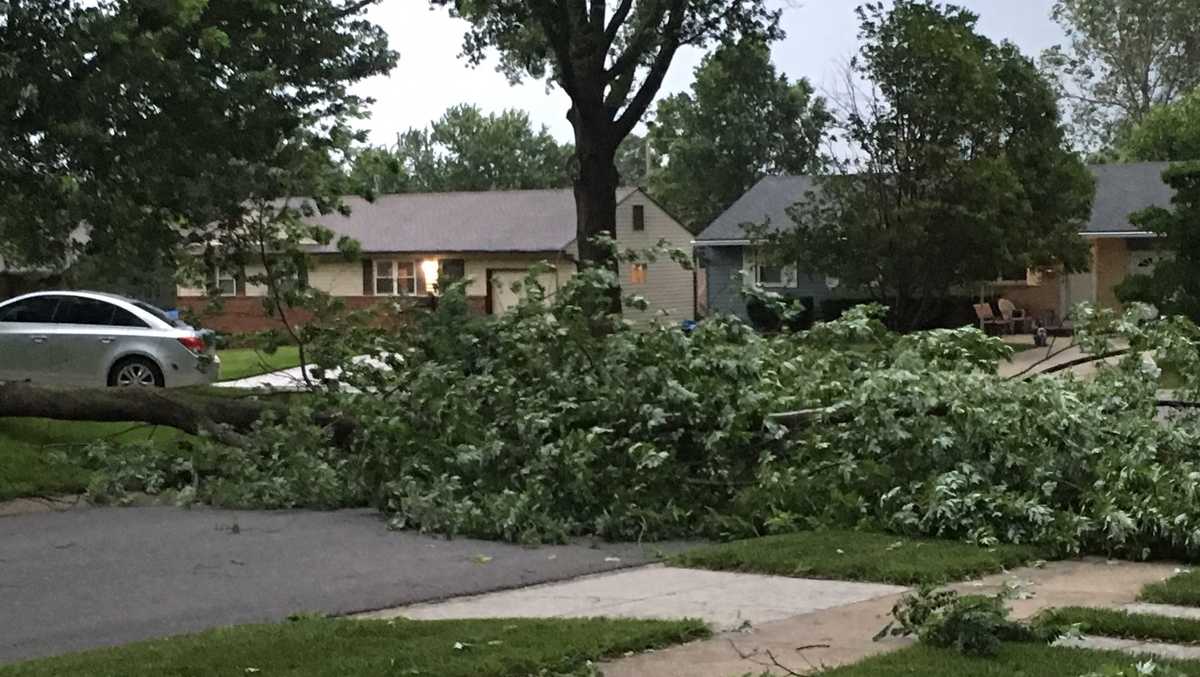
column 160, row 314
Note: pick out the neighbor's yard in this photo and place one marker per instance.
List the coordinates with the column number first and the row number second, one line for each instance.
column 238, row 363
column 350, row 648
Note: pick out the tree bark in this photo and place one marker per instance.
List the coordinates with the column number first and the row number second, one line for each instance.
column 226, row 420
column 596, row 186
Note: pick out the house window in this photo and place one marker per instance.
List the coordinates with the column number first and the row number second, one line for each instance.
column 226, row 282
column 639, row 217
column 637, row 275
column 452, row 270
column 768, row 276
column 394, row 278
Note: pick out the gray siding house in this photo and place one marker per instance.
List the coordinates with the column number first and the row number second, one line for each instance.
column 1118, row 248
column 725, row 249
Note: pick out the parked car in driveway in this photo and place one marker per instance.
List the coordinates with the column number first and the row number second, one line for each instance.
column 81, row 338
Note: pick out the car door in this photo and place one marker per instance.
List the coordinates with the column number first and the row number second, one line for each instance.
column 84, row 330
column 27, row 341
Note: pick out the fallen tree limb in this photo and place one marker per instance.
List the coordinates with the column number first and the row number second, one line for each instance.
column 223, row 419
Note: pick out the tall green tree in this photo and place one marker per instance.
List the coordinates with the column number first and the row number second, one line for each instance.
column 465, row 150
column 140, row 118
column 1123, row 57
column 1169, row 132
column 741, row 121
column 610, row 57
column 1173, row 285
column 963, row 170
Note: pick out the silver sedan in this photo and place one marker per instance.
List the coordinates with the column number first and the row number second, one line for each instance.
column 82, row 338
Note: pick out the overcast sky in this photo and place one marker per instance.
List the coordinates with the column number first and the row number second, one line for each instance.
column 821, row 35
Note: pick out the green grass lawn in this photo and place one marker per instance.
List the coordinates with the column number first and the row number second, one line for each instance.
column 244, row 362
column 1014, row 660
column 27, row 443
column 1117, row 623
column 1182, row 589
column 858, row 556
column 349, row 648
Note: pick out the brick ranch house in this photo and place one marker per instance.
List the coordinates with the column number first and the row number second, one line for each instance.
column 409, row 241
column 1118, row 249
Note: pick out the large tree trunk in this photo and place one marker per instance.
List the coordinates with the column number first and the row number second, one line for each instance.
column 224, row 419
column 596, row 190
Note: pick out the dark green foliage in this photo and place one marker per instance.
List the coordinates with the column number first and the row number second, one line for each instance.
column 137, row 117
column 1182, row 589
column 1117, row 623
column 859, row 556
column 315, row 647
column 741, row 121
column 972, row 625
column 464, row 150
column 964, row 171
column 1168, row 132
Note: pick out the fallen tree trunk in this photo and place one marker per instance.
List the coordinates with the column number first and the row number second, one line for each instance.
column 224, row 419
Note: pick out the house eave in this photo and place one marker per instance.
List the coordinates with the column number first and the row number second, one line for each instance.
column 720, row 243
column 1117, row 233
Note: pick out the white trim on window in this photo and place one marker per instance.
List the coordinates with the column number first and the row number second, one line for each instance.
column 774, row 275
column 395, row 277
column 226, row 282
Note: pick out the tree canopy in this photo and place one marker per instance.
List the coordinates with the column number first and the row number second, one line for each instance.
column 1123, row 57
column 465, row 149
column 138, row 117
column 962, row 170
column 741, row 121
column 610, row 57
column 1169, row 132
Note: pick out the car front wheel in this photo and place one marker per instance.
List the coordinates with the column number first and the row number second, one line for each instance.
column 135, row 372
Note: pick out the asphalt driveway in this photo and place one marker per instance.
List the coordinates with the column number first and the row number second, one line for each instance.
column 96, row 577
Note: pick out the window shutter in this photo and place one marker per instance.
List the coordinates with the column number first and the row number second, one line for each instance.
column 368, row 277
column 239, row 282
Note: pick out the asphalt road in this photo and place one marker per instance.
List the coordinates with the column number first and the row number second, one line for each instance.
column 96, row 577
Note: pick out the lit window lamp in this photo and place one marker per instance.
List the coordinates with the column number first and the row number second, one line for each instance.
column 430, row 269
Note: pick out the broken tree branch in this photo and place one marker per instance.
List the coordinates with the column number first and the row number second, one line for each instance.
column 226, row 420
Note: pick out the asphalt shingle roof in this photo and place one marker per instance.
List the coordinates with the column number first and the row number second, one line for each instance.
column 1124, row 189
column 485, row 221
column 1121, row 189
column 767, row 199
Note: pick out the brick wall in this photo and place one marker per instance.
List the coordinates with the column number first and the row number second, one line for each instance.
column 245, row 314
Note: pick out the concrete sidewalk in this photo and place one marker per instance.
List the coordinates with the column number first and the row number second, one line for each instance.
column 756, row 617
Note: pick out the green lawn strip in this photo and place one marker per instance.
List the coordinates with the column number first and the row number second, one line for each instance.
column 1117, row 623
column 1014, row 660
column 350, row 648
column 26, row 446
column 1181, row 589
column 239, row 363
column 858, row 556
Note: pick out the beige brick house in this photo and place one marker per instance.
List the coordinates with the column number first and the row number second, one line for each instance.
column 491, row 238
column 1118, row 248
